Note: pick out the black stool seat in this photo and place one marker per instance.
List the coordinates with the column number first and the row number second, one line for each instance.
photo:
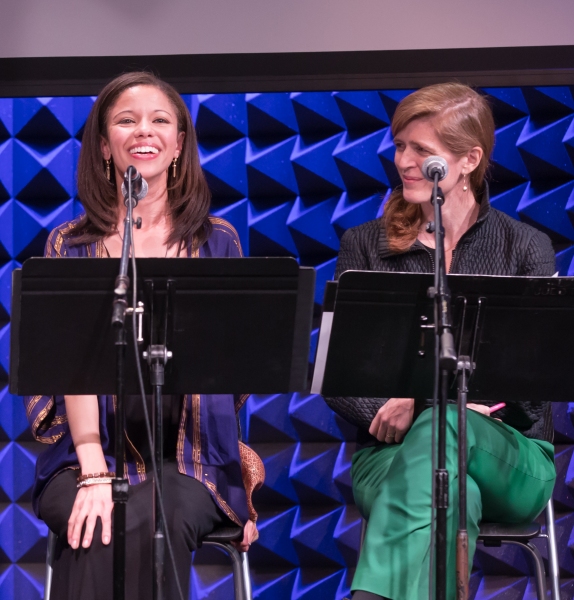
column 224, row 534
column 496, row 534
column 492, row 534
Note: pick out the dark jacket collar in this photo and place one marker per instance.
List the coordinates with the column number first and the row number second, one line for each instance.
column 483, row 211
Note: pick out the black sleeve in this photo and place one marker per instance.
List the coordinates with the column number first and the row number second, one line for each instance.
column 351, row 257
column 539, row 257
column 358, row 411
column 533, row 419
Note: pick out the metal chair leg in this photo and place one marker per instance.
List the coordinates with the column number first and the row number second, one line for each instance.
column 52, row 539
column 240, row 564
column 538, row 566
column 246, row 576
column 553, row 565
column 237, row 572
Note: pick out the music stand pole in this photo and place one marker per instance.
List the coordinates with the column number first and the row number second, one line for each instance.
column 157, row 355
column 120, row 484
column 464, row 370
column 445, row 363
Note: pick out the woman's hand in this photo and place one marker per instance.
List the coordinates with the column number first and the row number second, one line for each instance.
column 91, row 502
column 250, row 535
column 481, row 408
column 393, row 420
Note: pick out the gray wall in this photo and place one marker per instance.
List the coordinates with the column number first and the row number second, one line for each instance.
column 32, row 28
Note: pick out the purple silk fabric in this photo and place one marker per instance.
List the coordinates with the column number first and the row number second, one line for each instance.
column 207, row 446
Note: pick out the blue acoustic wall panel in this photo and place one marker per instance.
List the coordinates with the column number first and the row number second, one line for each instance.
column 292, row 172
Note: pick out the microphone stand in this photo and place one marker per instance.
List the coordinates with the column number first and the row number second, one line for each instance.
column 120, row 483
column 444, row 364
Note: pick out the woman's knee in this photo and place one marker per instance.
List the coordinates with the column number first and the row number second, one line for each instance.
column 57, row 501
column 191, row 513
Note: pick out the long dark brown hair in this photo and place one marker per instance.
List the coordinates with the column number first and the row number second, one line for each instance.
column 188, row 195
column 463, row 120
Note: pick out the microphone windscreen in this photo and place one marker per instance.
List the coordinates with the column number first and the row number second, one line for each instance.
column 432, row 165
column 142, row 193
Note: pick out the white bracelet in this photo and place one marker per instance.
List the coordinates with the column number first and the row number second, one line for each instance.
column 94, row 481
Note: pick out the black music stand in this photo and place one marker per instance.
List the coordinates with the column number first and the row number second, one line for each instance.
column 512, row 335
column 226, row 326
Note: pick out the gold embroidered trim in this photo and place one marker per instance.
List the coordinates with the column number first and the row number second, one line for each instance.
column 43, row 438
column 194, row 248
column 242, row 400
column 140, row 464
column 232, row 234
column 59, row 420
column 220, row 221
column 223, row 505
column 181, row 437
column 32, row 404
column 60, row 239
column 100, row 249
column 196, row 435
column 58, row 244
column 50, row 243
column 49, row 440
column 41, row 416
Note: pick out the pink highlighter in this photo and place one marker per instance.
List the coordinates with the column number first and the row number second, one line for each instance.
column 497, row 407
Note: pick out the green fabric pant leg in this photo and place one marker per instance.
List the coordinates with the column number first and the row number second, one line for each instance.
column 510, row 479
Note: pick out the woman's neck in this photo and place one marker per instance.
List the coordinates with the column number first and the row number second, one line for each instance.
column 153, row 210
column 459, row 213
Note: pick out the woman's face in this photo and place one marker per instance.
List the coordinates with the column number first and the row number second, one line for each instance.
column 415, row 143
column 142, row 131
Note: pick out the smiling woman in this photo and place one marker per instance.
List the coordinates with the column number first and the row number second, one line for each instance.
column 142, row 130
column 138, row 120
column 510, row 472
column 452, row 121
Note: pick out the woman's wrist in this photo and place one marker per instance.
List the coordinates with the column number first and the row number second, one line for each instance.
column 91, row 458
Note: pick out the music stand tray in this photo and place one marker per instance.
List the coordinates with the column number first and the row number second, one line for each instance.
column 234, row 325
column 377, row 338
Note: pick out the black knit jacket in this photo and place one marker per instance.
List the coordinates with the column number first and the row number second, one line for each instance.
column 495, row 245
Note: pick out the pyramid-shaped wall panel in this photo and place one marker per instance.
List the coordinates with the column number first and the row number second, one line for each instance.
column 292, row 172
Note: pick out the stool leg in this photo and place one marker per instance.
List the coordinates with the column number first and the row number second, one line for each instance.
column 246, row 576
column 553, row 565
column 538, row 566
column 240, row 565
column 238, row 584
column 52, row 539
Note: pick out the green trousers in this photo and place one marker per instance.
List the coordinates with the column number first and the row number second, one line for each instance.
column 509, row 479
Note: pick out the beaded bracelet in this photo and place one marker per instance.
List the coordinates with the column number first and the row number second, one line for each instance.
column 94, row 481
column 108, row 474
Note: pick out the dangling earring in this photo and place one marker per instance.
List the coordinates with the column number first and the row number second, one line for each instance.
column 108, row 171
column 173, row 166
column 464, row 186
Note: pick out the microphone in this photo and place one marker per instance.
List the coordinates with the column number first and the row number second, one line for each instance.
column 139, row 185
column 433, row 165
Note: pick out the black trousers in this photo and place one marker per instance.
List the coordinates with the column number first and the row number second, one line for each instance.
column 88, row 573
